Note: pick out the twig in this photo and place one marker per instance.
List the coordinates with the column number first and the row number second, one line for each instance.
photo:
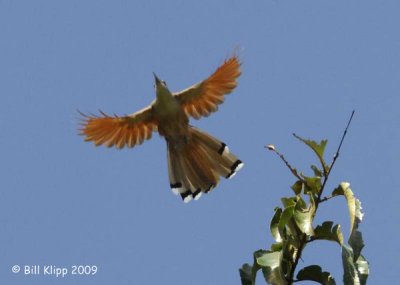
column 292, row 169
column 326, row 198
column 333, row 161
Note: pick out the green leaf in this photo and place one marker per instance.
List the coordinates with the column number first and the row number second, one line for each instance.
column 327, row 232
column 356, row 242
column 318, row 148
column 297, row 187
column 340, row 189
column 288, row 202
column 270, row 263
column 304, row 222
column 290, row 247
column 286, row 216
column 313, row 184
column 246, row 274
column 317, row 171
column 286, row 223
column 274, row 224
column 353, row 204
column 358, row 214
column 363, row 269
column 276, row 246
column 350, row 275
column 314, row 273
column 312, row 201
column 301, row 204
column 355, row 272
column 303, row 216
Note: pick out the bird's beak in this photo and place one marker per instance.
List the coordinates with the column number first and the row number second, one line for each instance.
column 158, row 81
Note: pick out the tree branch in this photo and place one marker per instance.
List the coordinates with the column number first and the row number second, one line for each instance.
column 304, row 238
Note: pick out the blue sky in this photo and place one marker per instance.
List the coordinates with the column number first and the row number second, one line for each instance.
column 306, row 65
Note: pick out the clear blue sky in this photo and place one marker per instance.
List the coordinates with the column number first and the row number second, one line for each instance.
column 306, row 65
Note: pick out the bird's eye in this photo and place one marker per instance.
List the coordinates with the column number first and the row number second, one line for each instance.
column 163, row 82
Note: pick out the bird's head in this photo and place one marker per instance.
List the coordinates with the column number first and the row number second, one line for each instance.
column 161, row 87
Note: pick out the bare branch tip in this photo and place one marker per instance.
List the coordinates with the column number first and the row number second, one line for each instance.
column 270, row 147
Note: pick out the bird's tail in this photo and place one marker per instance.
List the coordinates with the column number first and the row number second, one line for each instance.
column 196, row 167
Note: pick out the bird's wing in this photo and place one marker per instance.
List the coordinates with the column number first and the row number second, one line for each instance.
column 204, row 97
column 119, row 131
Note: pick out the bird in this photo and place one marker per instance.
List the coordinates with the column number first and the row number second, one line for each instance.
column 196, row 159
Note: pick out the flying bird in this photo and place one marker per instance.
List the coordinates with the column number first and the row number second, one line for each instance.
column 196, row 160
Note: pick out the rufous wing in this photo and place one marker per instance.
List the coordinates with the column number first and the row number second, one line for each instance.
column 204, row 97
column 119, row 131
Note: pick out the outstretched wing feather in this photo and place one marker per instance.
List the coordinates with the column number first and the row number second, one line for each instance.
column 118, row 131
column 203, row 98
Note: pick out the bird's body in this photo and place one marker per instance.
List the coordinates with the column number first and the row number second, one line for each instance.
column 196, row 160
column 173, row 123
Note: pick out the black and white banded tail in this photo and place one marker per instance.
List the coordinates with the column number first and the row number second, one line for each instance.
column 196, row 167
